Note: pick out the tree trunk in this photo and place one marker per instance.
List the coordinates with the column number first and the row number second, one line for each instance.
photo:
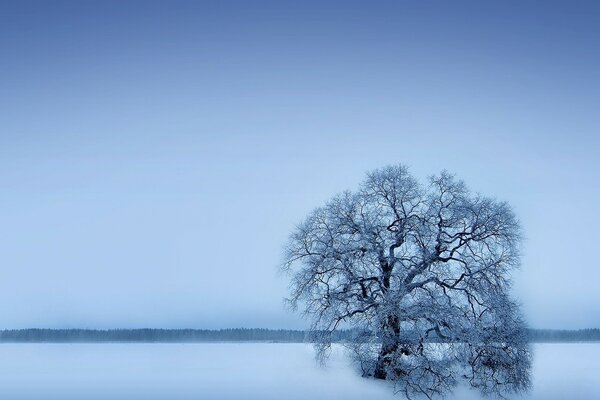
column 390, row 341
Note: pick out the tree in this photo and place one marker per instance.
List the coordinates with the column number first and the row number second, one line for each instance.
column 421, row 273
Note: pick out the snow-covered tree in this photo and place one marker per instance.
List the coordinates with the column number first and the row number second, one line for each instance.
column 421, row 273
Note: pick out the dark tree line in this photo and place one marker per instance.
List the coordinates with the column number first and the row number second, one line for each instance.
column 236, row 335
column 151, row 335
column 555, row 335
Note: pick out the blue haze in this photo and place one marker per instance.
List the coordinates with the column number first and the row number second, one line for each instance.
column 154, row 156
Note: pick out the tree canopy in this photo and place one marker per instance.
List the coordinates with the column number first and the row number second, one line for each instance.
column 422, row 273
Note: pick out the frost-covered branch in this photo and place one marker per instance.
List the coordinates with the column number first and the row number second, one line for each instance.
column 396, row 256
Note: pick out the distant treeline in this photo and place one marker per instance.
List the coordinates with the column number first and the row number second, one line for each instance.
column 231, row 335
column 152, row 335
column 555, row 335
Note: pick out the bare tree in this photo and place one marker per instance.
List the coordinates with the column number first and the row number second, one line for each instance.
column 421, row 273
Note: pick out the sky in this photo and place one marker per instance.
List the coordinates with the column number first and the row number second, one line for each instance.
column 155, row 156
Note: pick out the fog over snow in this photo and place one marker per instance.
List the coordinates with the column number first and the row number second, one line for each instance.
column 235, row 371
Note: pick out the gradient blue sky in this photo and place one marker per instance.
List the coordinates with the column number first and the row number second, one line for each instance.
column 155, row 155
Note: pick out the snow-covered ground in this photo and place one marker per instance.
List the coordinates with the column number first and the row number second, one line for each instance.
column 240, row 371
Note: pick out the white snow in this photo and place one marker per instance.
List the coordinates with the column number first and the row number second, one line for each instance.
column 241, row 371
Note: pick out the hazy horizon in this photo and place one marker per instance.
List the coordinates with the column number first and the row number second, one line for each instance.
column 154, row 157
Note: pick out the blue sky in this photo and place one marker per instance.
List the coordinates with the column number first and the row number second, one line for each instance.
column 154, row 156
